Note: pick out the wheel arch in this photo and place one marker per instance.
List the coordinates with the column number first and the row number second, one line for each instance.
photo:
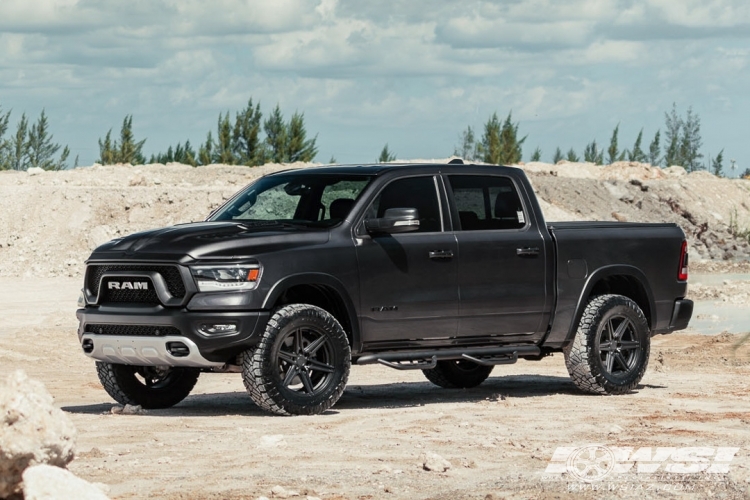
column 628, row 281
column 321, row 290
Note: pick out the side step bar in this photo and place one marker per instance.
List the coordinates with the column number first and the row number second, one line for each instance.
column 427, row 359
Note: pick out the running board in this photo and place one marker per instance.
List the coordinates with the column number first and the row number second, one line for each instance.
column 427, row 359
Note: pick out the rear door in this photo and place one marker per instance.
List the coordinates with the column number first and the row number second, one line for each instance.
column 502, row 267
column 409, row 281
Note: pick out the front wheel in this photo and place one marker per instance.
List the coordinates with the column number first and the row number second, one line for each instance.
column 610, row 351
column 151, row 387
column 301, row 364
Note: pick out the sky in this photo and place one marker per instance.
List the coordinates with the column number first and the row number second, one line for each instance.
column 412, row 74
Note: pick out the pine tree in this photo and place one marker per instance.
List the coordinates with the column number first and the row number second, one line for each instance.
column 558, row 156
column 245, row 138
column 468, row 146
column 672, row 128
column 332, row 161
column 41, row 149
column 500, row 144
column 536, row 155
column 386, row 155
column 4, row 143
column 637, row 154
column 130, row 149
column 206, row 151
column 223, row 153
column 489, row 148
column 717, row 166
column 613, row 152
column 691, row 142
column 107, row 153
column 654, row 150
column 572, row 156
column 19, row 146
column 593, row 154
column 299, row 148
column 276, row 136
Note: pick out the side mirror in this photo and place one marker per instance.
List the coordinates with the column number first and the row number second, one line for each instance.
column 395, row 220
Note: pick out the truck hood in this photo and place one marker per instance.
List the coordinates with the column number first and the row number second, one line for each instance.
column 208, row 240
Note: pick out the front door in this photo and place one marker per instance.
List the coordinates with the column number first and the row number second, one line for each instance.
column 409, row 281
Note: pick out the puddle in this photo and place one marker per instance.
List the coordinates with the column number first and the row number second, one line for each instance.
column 712, row 318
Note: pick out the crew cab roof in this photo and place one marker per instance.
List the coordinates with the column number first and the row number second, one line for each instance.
column 381, row 168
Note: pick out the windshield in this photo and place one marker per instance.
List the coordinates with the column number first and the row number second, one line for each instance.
column 302, row 198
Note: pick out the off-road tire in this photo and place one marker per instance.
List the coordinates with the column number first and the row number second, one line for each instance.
column 156, row 388
column 284, row 358
column 457, row 374
column 587, row 357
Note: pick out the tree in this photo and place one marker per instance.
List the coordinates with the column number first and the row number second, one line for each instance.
column 206, row 151
column 500, row 144
column 654, row 150
column 276, row 136
column 19, row 147
column 672, row 128
column 128, row 150
column 223, row 152
column 593, row 154
column 558, row 156
column 691, row 142
column 572, row 156
column 332, row 161
column 536, row 155
column 612, row 152
column 107, row 153
column 386, row 155
column 299, row 148
column 245, row 139
column 4, row 143
column 468, row 149
column 41, row 149
column 717, row 166
column 637, row 154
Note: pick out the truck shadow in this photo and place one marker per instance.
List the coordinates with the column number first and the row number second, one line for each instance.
column 372, row 396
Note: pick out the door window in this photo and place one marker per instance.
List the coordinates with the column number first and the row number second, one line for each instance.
column 412, row 192
column 486, row 202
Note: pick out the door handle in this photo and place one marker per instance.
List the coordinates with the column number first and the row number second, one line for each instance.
column 441, row 254
column 527, row 251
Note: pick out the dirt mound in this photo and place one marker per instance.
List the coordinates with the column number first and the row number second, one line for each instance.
column 50, row 221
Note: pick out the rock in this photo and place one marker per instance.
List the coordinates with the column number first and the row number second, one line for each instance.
column 32, row 431
column 434, row 462
column 45, row 482
column 35, row 171
column 133, row 410
column 281, row 492
column 272, row 441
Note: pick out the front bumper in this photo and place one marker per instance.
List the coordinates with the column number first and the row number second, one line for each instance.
column 198, row 348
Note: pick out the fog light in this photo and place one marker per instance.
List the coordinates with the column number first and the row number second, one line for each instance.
column 219, row 328
column 88, row 346
column 178, row 349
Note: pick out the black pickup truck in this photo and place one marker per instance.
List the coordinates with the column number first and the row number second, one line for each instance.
column 449, row 269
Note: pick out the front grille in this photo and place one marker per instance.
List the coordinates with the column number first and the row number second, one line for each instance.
column 170, row 274
column 147, row 296
column 135, row 330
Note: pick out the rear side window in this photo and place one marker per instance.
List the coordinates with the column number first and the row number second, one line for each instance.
column 486, row 202
column 412, row 192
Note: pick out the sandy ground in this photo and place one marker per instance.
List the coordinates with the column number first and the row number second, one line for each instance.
column 499, row 438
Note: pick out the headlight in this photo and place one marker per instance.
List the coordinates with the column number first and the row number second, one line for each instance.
column 226, row 278
column 81, row 300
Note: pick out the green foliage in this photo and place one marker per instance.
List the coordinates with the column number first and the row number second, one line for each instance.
column 41, row 149
column 276, row 136
column 593, row 154
column 691, row 142
column 672, row 127
column 180, row 154
column 468, row 148
column 500, row 143
column 536, row 155
column 299, row 148
column 572, row 156
column 4, row 143
column 654, row 149
column 127, row 150
column 19, row 146
column 332, row 161
column 206, row 151
column 735, row 230
column 558, row 156
column 717, row 166
column 386, row 155
column 246, row 136
column 612, row 151
column 637, row 154
column 224, row 152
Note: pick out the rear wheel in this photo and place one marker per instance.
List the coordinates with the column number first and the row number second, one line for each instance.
column 609, row 354
column 148, row 386
column 301, row 364
column 457, row 374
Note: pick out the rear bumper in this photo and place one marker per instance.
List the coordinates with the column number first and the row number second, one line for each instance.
column 682, row 311
column 187, row 327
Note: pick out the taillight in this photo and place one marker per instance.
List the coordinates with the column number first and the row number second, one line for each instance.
column 682, row 274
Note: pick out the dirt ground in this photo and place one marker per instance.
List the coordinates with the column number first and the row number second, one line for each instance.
column 499, row 438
